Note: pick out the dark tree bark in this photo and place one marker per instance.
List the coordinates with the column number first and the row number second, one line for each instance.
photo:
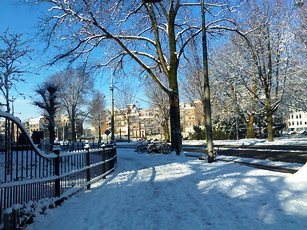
column 176, row 139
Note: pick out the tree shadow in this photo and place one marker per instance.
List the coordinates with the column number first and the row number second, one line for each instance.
column 170, row 192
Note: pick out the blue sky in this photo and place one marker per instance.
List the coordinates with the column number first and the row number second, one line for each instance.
column 20, row 18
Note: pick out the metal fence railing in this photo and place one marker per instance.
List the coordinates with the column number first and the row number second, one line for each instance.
column 29, row 174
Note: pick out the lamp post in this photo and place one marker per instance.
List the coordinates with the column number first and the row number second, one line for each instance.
column 112, row 108
column 208, row 120
column 65, row 127
column 63, row 135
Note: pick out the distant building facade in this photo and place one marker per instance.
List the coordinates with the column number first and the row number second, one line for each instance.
column 297, row 122
column 190, row 116
column 62, row 127
column 146, row 123
column 36, row 125
column 139, row 123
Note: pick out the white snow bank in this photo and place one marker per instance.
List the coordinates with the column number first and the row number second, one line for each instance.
column 299, row 177
column 247, row 142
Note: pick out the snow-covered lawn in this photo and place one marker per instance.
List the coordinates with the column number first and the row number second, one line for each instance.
column 286, row 140
column 171, row 192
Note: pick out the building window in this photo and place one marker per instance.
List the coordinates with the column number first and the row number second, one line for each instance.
column 300, row 116
column 300, row 122
column 292, row 122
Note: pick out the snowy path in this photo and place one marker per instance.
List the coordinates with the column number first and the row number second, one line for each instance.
column 170, row 192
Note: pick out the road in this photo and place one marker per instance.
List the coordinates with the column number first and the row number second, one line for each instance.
column 293, row 156
column 285, row 153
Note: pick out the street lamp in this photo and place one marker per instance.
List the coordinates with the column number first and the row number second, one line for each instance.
column 208, row 120
column 65, row 126
column 112, row 108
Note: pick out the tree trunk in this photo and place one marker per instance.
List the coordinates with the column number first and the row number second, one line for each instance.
column 73, row 130
column 99, row 133
column 250, row 126
column 51, row 113
column 51, row 130
column 8, row 146
column 269, row 114
column 176, row 138
column 166, row 131
column 8, row 109
column 128, row 130
column 270, row 125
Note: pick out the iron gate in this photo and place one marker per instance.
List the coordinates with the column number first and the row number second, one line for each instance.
column 29, row 174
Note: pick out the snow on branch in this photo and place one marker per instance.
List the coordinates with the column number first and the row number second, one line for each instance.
column 140, row 38
column 129, row 14
column 186, row 42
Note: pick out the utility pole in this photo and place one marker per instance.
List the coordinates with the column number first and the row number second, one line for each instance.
column 207, row 104
column 112, row 108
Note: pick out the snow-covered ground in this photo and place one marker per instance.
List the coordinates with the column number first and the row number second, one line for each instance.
column 178, row 192
column 287, row 140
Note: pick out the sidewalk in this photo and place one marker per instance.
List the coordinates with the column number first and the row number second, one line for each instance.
column 176, row 192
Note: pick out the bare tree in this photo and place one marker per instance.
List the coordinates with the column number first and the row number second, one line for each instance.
column 267, row 40
column 49, row 104
column 296, row 84
column 13, row 52
column 235, row 85
column 159, row 100
column 75, row 86
column 154, row 36
column 97, row 112
column 125, row 104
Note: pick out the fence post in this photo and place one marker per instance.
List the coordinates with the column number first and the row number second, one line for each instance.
column 114, row 155
column 103, row 146
column 57, row 161
column 88, row 164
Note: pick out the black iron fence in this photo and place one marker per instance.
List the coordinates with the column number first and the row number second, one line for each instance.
column 29, row 174
column 68, row 146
